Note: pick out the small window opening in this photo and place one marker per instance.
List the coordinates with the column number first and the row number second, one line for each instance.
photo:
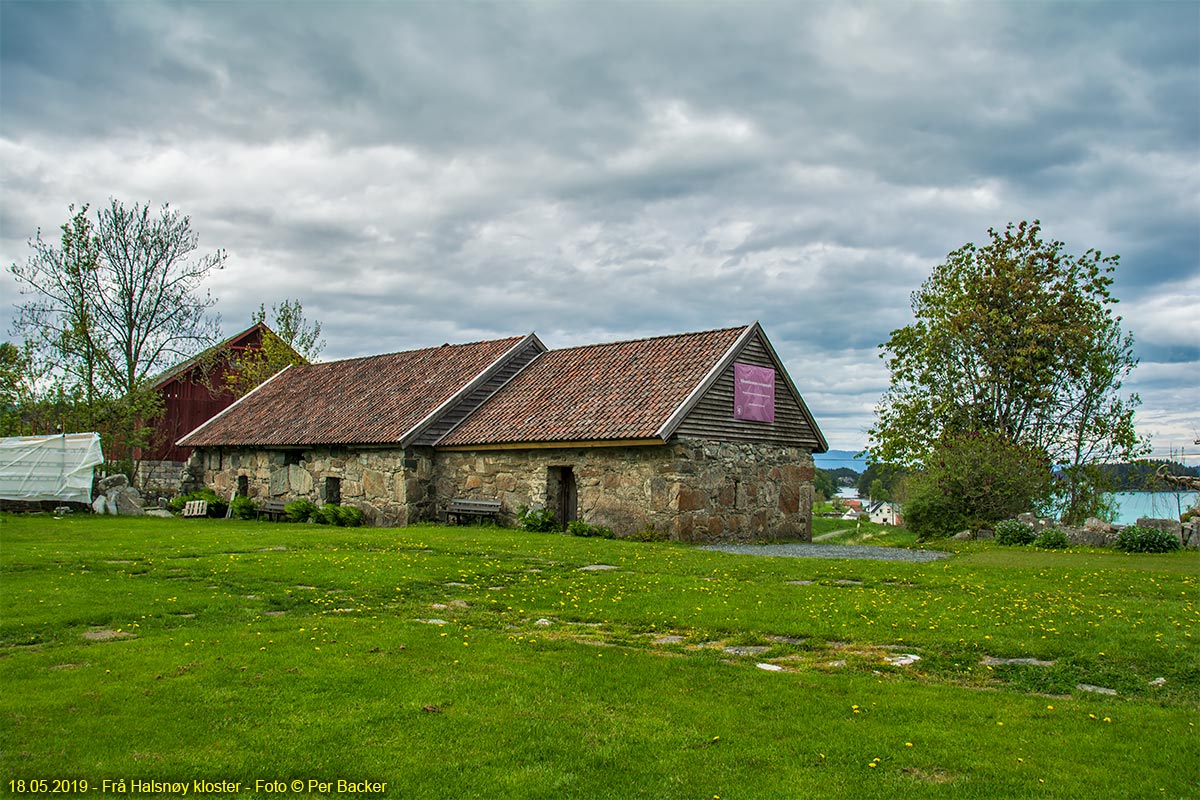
column 333, row 491
column 243, row 489
column 291, row 457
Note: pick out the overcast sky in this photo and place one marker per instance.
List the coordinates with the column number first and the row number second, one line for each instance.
column 424, row 173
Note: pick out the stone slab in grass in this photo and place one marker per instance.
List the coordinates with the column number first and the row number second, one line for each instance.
column 107, row 635
column 902, row 660
column 752, row 650
column 989, row 661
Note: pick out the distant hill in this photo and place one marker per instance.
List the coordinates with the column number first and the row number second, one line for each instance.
column 840, row 459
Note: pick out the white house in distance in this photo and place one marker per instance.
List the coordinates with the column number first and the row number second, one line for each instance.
column 884, row 513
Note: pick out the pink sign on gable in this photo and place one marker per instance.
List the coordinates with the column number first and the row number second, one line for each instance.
column 753, row 393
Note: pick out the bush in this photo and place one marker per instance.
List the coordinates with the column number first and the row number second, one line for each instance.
column 1011, row 532
column 1053, row 539
column 1146, row 540
column 540, row 520
column 216, row 506
column 648, row 534
column 578, row 527
column 350, row 516
column 930, row 515
column 301, row 510
column 243, row 508
column 328, row 514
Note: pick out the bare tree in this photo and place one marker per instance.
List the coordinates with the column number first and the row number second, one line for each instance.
column 117, row 302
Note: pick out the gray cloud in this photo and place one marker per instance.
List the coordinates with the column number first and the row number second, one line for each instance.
column 419, row 173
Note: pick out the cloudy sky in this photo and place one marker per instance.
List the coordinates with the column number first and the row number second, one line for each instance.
column 417, row 173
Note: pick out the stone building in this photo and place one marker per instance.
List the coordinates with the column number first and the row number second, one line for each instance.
column 700, row 436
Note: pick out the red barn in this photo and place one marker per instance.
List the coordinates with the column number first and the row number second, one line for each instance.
column 192, row 393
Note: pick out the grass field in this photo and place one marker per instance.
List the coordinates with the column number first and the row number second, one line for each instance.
column 477, row 662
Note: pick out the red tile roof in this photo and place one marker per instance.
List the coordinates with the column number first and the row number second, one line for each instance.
column 374, row 400
column 623, row 390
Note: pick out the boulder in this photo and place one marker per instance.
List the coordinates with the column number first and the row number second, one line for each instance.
column 113, row 482
column 126, row 501
column 1098, row 536
column 1168, row 525
column 985, row 533
column 964, row 536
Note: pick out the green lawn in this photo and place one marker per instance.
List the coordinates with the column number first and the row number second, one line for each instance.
column 243, row 651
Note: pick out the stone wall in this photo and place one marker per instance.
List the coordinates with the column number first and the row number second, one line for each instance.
column 390, row 486
column 693, row 491
column 161, row 478
column 689, row 490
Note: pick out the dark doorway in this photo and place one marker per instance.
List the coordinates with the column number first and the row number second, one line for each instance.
column 562, row 496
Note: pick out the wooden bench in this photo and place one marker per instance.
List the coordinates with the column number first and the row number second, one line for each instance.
column 461, row 507
column 195, row 508
column 272, row 508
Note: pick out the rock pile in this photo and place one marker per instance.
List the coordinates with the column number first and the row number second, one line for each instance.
column 118, row 497
column 1098, row 533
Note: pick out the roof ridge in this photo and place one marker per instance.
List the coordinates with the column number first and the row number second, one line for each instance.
column 420, row 350
column 650, row 338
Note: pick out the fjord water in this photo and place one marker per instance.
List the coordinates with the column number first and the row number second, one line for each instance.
column 1158, row 505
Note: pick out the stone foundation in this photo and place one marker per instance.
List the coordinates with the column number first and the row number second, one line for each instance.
column 692, row 491
column 390, row 486
column 688, row 490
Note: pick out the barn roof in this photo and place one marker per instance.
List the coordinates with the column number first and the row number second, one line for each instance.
column 605, row 392
column 246, row 337
column 373, row 400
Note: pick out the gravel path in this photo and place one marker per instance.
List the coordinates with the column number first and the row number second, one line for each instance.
column 799, row 550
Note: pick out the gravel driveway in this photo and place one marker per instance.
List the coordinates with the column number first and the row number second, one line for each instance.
column 799, row 550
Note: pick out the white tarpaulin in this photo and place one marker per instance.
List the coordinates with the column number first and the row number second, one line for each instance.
column 49, row 467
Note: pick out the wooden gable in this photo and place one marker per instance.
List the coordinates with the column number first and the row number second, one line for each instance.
column 709, row 413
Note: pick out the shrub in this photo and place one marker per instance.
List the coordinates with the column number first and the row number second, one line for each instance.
column 1053, row 539
column 540, row 520
column 1011, row 532
column 648, row 534
column 1146, row 540
column 349, row 516
column 243, row 507
column 578, row 527
column 930, row 515
column 328, row 514
column 301, row 510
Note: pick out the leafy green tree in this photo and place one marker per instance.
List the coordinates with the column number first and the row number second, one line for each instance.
column 291, row 339
column 890, row 475
column 879, row 492
column 975, row 480
column 1016, row 339
column 823, row 485
column 113, row 304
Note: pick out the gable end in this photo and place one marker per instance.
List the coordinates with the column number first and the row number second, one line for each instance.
column 711, row 415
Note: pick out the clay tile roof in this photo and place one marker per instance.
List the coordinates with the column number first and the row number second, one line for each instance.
column 623, row 390
column 374, row 400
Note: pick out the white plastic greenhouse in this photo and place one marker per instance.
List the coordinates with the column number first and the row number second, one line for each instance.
column 49, row 467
